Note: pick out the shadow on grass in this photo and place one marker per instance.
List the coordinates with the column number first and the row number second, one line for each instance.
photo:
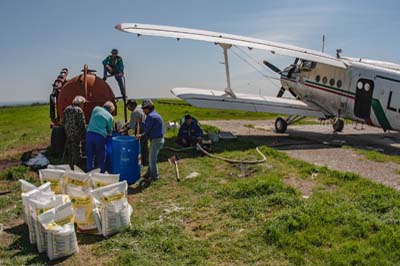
column 22, row 247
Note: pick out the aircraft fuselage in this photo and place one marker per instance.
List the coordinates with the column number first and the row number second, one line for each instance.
column 360, row 92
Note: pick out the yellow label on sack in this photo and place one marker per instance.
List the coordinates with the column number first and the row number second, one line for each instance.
column 55, row 185
column 42, row 210
column 98, row 184
column 115, row 197
column 59, row 223
column 80, row 201
column 78, row 183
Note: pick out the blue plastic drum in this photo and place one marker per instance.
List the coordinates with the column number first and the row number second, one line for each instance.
column 126, row 158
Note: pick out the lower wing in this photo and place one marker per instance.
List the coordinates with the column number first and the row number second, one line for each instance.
column 245, row 102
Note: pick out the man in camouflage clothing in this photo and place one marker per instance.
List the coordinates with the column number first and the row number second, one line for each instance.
column 75, row 129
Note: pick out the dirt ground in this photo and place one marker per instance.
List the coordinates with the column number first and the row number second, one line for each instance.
column 319, row 145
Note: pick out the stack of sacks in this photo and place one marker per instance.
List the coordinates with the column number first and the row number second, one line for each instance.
column 39, row 205
column 55, row 177
column 65, row 197
column 78, row 186
column 112, row 211
column 101, row 180
column 43, row 190
column 60, row 236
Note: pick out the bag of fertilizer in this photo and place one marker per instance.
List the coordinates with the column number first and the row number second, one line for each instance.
column 55, row 177
column 83, row 209
column 26, row 186
column 113, row 207
column 60, row 236
column 94, row 171
column 77, row 179
column 38, row 206
column 43, row 190
column 101, row 180
column 64, row 167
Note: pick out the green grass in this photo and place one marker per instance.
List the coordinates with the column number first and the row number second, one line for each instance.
column 219, row 218
column 376, row 156
column 23, row 126
column 29, row 126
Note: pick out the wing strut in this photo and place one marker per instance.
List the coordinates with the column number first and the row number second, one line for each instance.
column 228, row 89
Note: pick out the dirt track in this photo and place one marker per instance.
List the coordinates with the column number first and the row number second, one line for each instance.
column 316, row 144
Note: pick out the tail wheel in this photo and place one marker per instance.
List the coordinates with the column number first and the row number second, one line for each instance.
column 280, row 125
column 338, row 125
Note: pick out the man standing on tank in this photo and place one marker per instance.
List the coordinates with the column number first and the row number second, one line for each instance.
column 114, row 66
column 75, row 128
column 153, row 129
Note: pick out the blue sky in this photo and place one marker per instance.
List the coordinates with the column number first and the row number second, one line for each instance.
column 38, row 38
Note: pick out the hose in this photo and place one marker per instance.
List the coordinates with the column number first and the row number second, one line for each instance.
column 264, row 159
column 178, row 149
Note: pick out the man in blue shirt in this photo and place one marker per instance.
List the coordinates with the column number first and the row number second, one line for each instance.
column 153, row 130
column 190, row 132
column 100, row 126
column 114, row 65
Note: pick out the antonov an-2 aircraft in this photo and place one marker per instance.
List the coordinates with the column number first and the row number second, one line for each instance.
column 324, row 86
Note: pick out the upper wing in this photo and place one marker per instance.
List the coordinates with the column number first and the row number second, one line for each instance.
column 245, row 102
column 222, row 38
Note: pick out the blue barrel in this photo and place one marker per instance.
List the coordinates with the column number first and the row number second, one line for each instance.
column 108, row 166
column 126, row 158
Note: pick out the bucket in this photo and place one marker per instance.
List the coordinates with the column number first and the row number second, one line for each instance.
column 126, row 158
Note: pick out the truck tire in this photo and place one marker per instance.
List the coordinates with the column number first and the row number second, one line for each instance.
column 58, row 140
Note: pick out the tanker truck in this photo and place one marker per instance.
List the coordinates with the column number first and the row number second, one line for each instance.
column 87, row 84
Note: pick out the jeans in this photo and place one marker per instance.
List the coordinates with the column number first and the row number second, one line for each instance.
column 155, row 147
column 118, row 78
column 95, row 149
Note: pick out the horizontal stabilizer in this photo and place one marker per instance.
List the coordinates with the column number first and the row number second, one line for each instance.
column 245, row 102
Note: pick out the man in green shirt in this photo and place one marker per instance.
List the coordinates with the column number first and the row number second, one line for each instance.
column 114, row 65
column 100, row 125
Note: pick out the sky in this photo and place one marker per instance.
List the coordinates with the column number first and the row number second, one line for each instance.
column 38, row 38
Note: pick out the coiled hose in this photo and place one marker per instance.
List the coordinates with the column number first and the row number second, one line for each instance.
column 233, row 161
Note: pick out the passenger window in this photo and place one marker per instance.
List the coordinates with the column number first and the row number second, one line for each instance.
column 339, row 84
column 318, row 78
column 332, row 82
column 325, row 80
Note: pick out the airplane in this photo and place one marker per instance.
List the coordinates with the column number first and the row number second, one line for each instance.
column 323, row 86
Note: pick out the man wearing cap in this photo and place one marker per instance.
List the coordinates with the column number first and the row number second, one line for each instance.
column 153, row 129
column 190, row 132
column 114, row 65
column 136, row 123
column 75, row 127
column 100, row 126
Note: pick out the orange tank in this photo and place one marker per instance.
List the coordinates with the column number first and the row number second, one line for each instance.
column 94, row 89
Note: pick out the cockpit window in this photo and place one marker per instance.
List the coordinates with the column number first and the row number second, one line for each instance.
column 307, row 65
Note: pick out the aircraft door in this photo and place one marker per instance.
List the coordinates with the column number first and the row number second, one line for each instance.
column 363, row 100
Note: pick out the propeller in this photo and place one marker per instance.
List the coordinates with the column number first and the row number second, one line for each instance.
column 272, row 67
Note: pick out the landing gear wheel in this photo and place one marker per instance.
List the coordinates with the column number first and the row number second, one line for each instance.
column 338, row 125
column 280, row 125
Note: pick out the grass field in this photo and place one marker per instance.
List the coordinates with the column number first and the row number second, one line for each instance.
column 284, row 212
column 29, row 126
